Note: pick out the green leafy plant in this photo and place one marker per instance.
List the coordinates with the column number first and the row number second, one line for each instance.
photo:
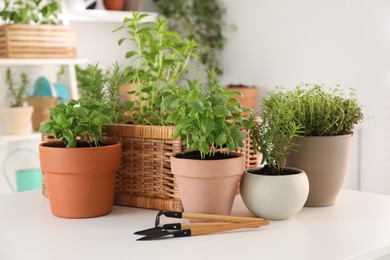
column 161, row 58
column 31, row 12
column 82, row 120
column 207, row 121
column 201, row 21
column 274, row 133
column 325, row 111
column 307, row 110
column 16, row 94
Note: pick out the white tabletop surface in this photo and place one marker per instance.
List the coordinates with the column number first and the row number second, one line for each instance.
column 356, row 227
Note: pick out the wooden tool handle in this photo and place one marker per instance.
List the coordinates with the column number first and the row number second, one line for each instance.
column 219, row 217
column 201, row 224
column 227, row 227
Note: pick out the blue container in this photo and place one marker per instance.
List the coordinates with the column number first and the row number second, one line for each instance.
column 28, row 179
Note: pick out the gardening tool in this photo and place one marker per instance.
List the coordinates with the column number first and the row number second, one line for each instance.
column 204, row 230
column 223, row 223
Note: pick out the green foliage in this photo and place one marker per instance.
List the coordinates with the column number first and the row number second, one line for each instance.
column 16, row 95
column 205, row 120
column 324, row 111
column 160, row 59
column 83, row 119
column 201, row 21
column 31, row 12
column 274, row 134
column 307, row 110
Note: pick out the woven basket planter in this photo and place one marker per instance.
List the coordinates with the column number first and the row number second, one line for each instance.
column 145, row 179
column 37, row 41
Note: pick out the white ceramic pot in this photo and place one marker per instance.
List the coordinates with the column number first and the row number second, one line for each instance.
column 274, row 197
column 17, row 120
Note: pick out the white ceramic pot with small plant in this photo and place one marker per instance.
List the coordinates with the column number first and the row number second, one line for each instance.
column 274, row 191
column 17, row 117
column 327, row 117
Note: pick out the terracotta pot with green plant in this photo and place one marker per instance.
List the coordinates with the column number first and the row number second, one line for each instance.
column 328, row 117
column 81, row 167
column 274, row 191
column 17, row 117
column 209, row 122
column 248, row 96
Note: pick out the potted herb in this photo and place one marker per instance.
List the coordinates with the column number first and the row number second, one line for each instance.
column 17, row 117
column 275, row 191
column 210, row 124
column 328, row 117
column 23, row 18
column 81, row 167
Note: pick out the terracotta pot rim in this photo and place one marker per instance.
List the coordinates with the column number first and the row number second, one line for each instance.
column 237, row 155
column 300, row 171
column 50, row 144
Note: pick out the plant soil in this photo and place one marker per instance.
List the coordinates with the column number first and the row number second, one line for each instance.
column 195, row 155
column 79, row 144
column 267, row 170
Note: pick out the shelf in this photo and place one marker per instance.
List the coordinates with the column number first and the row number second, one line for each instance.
column 101, row 16
column 18, row 138
column 35, row 62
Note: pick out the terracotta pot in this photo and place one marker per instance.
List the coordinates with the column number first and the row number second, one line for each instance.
column 250, row 95
column 274, row 197
column 325, row 160
column 41, row 109
column 132, row 5
column 17, row 120
column 80, row 181
column 114, row 5
column 207, row 186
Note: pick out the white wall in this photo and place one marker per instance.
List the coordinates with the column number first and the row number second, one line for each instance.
column 284, row 42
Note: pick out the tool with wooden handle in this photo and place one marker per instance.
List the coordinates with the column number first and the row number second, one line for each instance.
column 205, row 230
column 178, row 226
column 209, row 217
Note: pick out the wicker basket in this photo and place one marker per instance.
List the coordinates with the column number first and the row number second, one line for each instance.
column 37, row 41
column 145, row 178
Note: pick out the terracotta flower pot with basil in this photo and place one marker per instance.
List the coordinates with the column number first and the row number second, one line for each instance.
column 81, row 166
column 209, row 122
column 327, row 117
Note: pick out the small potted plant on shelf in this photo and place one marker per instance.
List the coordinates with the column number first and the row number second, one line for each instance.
column 81, row 166
column 16, row 118
column 327, row 117
column 210, row 124
column 274, row 191
column 248, row 96
column 23, row 18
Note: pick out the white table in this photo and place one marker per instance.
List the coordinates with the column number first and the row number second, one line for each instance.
column 357, row 227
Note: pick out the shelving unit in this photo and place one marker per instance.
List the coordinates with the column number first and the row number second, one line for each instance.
column 102, row 16
column 69, row 63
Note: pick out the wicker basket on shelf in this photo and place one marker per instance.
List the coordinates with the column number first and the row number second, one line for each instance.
column 37, row 41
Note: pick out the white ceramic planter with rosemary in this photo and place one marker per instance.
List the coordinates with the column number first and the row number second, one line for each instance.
column 274, row 197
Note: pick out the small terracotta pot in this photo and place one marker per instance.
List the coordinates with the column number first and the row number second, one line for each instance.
column 41, row 109
column 274, row 197
column 207, row 186
column 114, row 5
column 249, row 97
column 80, row 181
column 325, row 160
